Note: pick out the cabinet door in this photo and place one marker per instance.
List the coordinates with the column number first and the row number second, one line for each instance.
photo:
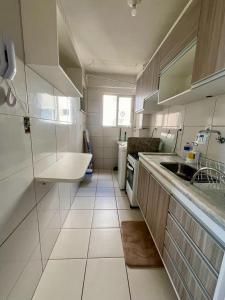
column 139, row 100
column 152, row 199
column 161, row 213
column 142, row 191
column 181, row 35
column 153, row 75
column 157, row 211
column 210, row 52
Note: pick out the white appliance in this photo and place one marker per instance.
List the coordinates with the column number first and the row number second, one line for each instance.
column 122, row 160
column 132, row 178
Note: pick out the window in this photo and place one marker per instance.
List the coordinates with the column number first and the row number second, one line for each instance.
column 116, row 111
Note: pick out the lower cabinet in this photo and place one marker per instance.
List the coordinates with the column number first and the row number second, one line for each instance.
column 157, row 211
column 153, row 201
column 142, row 192
column 191, row 255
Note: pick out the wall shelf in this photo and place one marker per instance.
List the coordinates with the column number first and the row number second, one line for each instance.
column 49, row 49
column 70, row 168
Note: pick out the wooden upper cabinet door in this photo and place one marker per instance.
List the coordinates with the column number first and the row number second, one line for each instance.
column 144, row 83
column 139, row 97
column 154, row 67
column 153, row 75
column 184, row 32
column 210, row 52
column 142, row 191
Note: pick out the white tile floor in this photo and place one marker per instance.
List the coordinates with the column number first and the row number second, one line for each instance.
column 87, row 261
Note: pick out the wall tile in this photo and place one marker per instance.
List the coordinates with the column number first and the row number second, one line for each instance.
column 160, row 118
column 62, row 138
column 15, row 146
column 95, row 130
column 63, row 104
column 216, row 151
column 94, row 119
column 109, row 141
column 98, row 163
column 98, row 152
column 199, row 113
column 41, row 99
column 111, row 131
column 64, row 200
column 110, row 152
column 16, row 254
column 43, row 136
column 109, row 163
column 95, row 105
column 219, row 114
column 97, row 141
column 17, row 199
column 49, row 222
column 28, row 280
column 176, row 116
column 41, row 188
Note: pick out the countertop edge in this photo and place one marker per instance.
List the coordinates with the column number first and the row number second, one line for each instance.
column 214, row 223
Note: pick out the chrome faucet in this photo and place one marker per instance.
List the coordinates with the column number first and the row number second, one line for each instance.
column 219, row 138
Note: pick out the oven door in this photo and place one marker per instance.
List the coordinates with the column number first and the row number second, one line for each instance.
column 130, row 175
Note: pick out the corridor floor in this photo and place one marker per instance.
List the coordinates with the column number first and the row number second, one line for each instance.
column 87, row 261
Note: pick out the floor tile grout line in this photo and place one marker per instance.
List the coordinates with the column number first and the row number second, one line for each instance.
column 86, row 258
column 128, row 282
column 89, row 241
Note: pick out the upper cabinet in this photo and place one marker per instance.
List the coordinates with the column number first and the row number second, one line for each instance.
column 181, row 35
column 176, row 78
column 49, row 49
column 210, row 53
column 147, row 84
column 190, row 63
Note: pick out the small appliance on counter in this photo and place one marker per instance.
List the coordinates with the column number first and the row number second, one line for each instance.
column 135, row 145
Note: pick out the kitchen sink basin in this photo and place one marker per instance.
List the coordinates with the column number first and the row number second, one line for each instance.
column 186, row 172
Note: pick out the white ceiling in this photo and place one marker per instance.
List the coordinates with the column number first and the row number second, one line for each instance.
column 109, row 40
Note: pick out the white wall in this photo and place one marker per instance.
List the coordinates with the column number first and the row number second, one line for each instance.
column 192, row 118
column 104, row 139
column 31, row 214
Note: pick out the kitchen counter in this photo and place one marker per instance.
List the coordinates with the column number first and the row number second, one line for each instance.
column 209, row 201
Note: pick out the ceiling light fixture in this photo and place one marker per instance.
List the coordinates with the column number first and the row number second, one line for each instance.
column 133, row 5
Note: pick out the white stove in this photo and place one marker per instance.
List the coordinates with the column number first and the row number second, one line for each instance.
column 132, row 178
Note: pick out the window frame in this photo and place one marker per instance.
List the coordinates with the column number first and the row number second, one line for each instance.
column 117, row 110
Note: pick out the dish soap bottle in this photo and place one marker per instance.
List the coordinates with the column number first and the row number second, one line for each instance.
column 193, row 155
column 187, row 149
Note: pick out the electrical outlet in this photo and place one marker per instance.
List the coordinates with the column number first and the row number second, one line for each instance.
column 26, row 123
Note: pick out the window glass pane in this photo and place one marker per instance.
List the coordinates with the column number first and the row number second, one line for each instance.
column 124, row 112
column 109, row 110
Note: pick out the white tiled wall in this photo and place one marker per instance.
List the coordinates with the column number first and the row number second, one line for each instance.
column 103, row 139
column 192, row 118
column 31, row 213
